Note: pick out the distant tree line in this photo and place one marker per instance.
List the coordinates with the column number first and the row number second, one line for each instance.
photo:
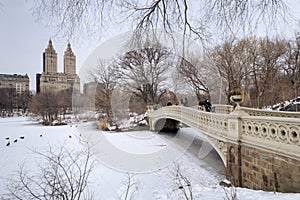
column 138, row 72
column 10, row 101
column 267, row 70
column 53, row 105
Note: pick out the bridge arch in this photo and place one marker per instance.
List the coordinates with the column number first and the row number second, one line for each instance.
column 180, row 114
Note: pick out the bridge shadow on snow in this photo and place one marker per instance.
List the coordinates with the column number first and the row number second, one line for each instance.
column 198, row 147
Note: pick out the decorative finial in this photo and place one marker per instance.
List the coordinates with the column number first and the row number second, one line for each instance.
column 69, row 46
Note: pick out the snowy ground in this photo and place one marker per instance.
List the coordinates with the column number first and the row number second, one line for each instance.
column 151, row 157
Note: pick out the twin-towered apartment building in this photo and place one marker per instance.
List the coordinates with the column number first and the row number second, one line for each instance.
column 14, row 88
column 50, row 80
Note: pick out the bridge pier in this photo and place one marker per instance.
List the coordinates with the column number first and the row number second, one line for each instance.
column 234, row 156
column 258, row 169
column 234, row 164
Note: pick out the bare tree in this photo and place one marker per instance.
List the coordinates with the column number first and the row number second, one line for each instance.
column 196, row 74
column 22, row 100
column 10, row 99
column 189, row 17
column 240, row 14
column 253, row 65
column 106, row 76
column 233, row 61
column 62, row 174
column 46, row 105
column 223, row 58
column 129, row 188
column 7, row 99
column 182, row 182
column 143, row 70
column 292, row 64
column 73, row 18
column 64, row 100
column 265, row 73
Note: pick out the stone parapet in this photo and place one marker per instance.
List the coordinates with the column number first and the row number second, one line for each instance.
column 276, row 134
column 270, row 113
column 269, row 171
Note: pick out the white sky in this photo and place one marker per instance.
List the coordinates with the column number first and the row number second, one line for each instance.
column 23, row 41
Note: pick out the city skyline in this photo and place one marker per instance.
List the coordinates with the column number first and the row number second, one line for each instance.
column 23, row 37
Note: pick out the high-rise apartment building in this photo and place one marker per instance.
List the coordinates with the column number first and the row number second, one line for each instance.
column 14, row 93
column 50, row 80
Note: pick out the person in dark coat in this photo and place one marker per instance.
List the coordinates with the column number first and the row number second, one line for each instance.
column 207, row 105
column 185, row 103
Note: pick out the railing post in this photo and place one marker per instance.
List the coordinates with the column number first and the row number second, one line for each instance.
column 234, row 124
column 151, row 124
column 149, row 119
column 234, row 155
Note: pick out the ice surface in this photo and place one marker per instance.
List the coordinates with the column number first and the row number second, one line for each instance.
column 107, row 181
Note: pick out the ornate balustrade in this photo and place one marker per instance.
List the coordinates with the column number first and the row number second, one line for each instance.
column 223, row 109
column 270, row 113
column 226, row 109
column 277, row 134
column 206, row 121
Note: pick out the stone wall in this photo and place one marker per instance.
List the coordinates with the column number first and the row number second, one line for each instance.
column 262, row 170
column 233, row 168
column 268, row 171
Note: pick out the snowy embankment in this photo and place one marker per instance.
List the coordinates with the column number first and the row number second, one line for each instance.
column 151, row 158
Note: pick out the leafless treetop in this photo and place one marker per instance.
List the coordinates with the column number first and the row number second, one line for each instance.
column 194, row 18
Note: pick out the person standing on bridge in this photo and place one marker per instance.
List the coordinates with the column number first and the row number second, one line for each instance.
column 207, row 105
column 181, row 102
column 185, row 102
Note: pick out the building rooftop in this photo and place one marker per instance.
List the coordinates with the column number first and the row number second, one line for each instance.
column 13, row 76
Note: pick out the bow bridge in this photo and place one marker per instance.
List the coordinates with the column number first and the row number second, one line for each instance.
column 260, row 149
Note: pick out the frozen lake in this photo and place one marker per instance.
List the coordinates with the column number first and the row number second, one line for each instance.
column 150, row 157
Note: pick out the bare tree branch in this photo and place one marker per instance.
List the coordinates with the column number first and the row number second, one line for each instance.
column 106, row 76
column 182, row 182
column 62, row 175
column 188, row 17
column 194, row 73
column 129, row 188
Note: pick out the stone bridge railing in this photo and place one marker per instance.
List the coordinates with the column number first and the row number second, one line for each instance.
column 210, row 123
column 276, row 134
column 269, row 130
column 251, row 142
column 226, row 109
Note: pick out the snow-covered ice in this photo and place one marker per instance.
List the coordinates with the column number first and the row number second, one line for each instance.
column 151, row 157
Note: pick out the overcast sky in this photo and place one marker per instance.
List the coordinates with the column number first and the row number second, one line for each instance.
column 23, row 41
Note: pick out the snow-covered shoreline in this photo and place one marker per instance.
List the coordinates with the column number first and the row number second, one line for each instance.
column 107, row 181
